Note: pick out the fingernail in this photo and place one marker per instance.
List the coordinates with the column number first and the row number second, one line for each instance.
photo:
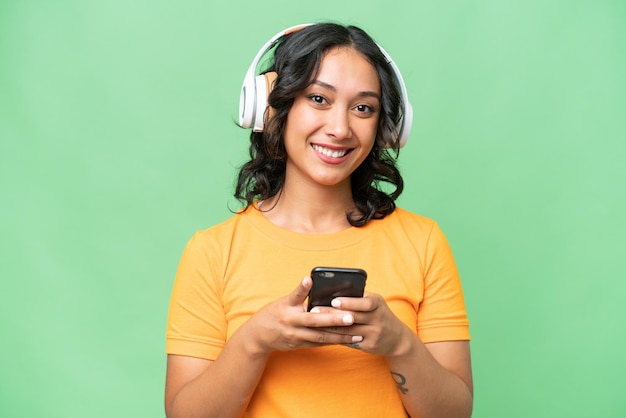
column 335, row 303
column 347, row 319
column 357, row 339
column 315, row 310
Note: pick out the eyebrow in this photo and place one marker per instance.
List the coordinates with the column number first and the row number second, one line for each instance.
column 366, row 93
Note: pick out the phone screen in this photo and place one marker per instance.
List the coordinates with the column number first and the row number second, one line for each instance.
column 332, row 282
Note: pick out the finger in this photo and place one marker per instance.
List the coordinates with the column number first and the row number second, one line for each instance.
column 364, row 304
column 349, row 330
column 300, row 293
column 322, row 309
column 318, row 319
column 325, row 338
column 337, row 330
column 327, row 309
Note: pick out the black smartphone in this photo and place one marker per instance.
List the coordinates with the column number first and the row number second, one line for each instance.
column 332, row 282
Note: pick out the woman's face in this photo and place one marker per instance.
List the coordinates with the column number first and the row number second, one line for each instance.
column 331, row 126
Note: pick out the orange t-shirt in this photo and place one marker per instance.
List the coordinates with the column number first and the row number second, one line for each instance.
column 231, row 270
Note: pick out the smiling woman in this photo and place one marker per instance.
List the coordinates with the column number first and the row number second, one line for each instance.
column 333, row 114
column 287, row 81
column 332, row 125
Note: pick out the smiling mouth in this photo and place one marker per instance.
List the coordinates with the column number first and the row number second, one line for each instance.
column 330, row 152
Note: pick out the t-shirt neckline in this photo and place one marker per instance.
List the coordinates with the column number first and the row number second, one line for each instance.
column 311, row 242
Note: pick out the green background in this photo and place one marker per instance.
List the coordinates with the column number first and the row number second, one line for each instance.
column 118, row 141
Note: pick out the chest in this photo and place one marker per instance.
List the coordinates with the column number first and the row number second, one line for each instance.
column 259, row 274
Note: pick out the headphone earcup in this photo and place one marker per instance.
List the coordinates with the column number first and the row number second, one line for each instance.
column 404, row 129
column 247, row 101
column 262, row 112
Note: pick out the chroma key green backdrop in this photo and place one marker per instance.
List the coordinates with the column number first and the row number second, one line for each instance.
column 118, row 141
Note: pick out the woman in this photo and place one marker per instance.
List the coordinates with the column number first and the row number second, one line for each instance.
column 240, row 341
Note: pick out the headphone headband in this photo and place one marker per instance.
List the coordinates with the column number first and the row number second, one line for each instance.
column 256, row 88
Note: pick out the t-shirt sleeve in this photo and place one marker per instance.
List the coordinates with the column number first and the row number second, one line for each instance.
column 442, row 315
column 196, row 324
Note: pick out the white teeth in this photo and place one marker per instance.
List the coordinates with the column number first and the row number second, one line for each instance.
column 330, row 153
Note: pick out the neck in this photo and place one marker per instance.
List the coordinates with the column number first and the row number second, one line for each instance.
column 310, row 210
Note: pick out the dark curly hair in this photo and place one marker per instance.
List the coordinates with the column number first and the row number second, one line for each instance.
column 297, row 61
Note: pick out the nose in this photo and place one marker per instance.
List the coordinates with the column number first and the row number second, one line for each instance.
column 338, row 123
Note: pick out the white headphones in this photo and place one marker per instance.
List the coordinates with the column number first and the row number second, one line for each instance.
column 256, row 88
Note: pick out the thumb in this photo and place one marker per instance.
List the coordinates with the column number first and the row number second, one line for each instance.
column 300, row 293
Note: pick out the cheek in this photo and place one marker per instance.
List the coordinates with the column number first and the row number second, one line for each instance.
column 289, row 134
column 294, row 136
column 367, row 132
column 300, row 122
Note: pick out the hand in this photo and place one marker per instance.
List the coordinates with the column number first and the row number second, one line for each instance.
column 381, row 330
column 285, row 325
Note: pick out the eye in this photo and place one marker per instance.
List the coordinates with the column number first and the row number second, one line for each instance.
column 317, row 99
column 365, row 110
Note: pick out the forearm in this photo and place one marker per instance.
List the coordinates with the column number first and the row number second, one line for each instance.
column 427, row 389
column 224, row 389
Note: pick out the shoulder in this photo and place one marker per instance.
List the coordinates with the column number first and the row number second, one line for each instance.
column 408, row 220
column 238, row 227
column 217, row 235
column 421, row 231
column 208, row 249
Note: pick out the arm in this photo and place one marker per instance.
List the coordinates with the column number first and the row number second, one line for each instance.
column 204, row 388
column 434, row 380
column 223, row 388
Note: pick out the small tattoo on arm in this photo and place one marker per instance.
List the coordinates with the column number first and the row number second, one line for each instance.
column 400, row 382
